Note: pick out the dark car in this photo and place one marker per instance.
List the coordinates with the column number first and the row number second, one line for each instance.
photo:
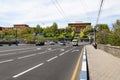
column 1, row 44
column 40, row 43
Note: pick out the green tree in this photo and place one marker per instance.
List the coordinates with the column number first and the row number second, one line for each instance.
column 38, row 29
column 88, row 30
column 100, row 27
column 114, row 37
column 102, row 32
column 54, row 29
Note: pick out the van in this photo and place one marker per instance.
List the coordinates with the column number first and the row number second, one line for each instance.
column 75, row 42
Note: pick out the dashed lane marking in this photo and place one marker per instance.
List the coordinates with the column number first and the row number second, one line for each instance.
column 6, row 61
column 38, row 48
column 62, row 49
column 75, row 50
column 26, row 56
column 49, row 49
column 16, row 49
column 65, row 52
column 15, row 76
column 52, row 58
column 61, row 54
column 7, row 54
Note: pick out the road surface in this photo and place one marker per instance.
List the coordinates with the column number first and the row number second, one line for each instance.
column 51, row 62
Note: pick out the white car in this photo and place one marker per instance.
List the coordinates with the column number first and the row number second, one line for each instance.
column 75, row 42
column 52, row 43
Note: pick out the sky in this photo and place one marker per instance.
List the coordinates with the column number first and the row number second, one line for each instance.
column 45, row 12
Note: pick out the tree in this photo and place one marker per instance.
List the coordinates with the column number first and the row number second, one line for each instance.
column 88, row 30
column 54, row 29
column 81, row 34
column 114, row 37
column 100, row 27
column 38, row 29
column 102, row 32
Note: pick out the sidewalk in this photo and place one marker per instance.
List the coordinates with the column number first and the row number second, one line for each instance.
column 102, row 65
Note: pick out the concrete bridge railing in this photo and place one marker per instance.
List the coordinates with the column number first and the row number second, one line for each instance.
column 114, row 50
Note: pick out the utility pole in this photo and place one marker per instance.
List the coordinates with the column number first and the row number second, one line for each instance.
column 101, row 4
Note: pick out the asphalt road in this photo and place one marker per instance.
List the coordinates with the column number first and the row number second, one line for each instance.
column 50, row 62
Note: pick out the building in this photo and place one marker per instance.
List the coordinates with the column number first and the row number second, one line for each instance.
column 6, row 28
column 79, row 26
column 0, row 28
column 20, row 26
column 15, row 26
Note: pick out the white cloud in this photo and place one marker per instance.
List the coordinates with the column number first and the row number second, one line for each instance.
column 44, row 11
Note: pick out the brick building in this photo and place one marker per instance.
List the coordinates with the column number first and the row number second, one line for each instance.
column 21, row 26
column 16, row 26
column 79, row 26
column 0, row 28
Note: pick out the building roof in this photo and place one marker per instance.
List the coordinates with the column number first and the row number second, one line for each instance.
column 21, row 25
column 79, row 23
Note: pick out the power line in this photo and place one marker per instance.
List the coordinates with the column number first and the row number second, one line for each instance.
column 59, row 10
column 62, row 10
column 99, row 12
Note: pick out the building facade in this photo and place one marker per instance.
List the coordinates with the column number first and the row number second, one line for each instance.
column 79, row 26
column 15, row 26
column 21, row 26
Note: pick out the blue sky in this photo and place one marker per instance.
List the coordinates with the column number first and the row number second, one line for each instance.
column 45, row 12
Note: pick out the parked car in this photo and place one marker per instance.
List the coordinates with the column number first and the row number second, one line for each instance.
column 39, row 43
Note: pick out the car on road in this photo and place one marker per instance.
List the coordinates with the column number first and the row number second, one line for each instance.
column 40, row 43
column 52, row 43
column 1, row 44
column 62, row 43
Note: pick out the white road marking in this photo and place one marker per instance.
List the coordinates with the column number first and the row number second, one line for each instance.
column 61, row 54
column 13, row 53
column 23, row 51
column 62, row 49
column 38, row 48
column 7, row 54
column 48, row 51
column 26, row 56
column 42, row 52
column 15, row 49
column 52, row 59
column 49, row 48
column 15, row 76
column 6, row 61
column 65, row 52
column 75, row 50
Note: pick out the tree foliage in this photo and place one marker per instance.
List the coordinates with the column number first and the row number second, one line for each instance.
column 105, row 36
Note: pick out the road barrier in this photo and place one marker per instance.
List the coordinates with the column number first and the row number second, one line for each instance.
column 84, row 70
column 114, row 50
